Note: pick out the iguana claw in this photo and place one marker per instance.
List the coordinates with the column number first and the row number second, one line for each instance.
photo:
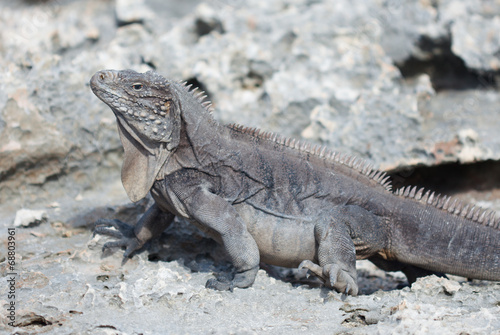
column 219, row 284
column 241, row 279
column 345, row 293
column 123, row 232
column 333, row 276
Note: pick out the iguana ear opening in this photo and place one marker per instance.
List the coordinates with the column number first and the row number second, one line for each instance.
column 141, row 162
column 174, row 140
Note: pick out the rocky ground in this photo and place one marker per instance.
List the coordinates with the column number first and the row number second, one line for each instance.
column 411, row 86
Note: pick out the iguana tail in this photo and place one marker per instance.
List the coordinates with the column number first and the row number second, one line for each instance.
column 442, row 234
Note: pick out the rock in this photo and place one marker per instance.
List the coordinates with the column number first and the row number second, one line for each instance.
column 207, row 21
column 132, row 11
column 451, row 287
column 30, row 217
column 476, row 41
column 433, row 285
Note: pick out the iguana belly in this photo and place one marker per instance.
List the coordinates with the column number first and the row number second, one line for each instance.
column 282, row 240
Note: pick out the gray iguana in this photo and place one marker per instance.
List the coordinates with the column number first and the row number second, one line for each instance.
column 271, row 199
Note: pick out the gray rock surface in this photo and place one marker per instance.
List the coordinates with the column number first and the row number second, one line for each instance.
column 65, row 287
column 402, row 84
column 29, row 217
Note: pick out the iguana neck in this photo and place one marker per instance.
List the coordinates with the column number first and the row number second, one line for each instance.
column 200, row 132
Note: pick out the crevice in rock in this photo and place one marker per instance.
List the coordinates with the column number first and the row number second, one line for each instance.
column 122, row 23
column 453, row 178
column 252, row 80
column 356, row 319
column 446, row 70
column 205, row 27
column 27, row 168
column 106, row 327
column 148, row 63
column 32, row 319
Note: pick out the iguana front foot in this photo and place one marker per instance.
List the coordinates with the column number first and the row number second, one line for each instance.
column 334, row 277
column 241, row 280
column 124, row 234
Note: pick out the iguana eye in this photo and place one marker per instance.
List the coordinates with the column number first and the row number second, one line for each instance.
column 137, row 86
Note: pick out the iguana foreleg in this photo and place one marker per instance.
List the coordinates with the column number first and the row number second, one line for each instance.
column 216, row 214
column 336, row 256
column 132, row 238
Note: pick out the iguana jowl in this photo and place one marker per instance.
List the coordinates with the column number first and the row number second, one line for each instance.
column 276, row 200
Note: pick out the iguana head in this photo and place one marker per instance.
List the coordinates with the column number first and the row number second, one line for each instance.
column 144, row 101
column 149, row 123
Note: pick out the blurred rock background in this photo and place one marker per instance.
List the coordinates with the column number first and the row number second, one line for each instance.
column 410, row 85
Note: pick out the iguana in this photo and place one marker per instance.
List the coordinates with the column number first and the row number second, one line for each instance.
column 271, row 199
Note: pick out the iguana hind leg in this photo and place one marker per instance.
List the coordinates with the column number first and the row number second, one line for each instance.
column 336, row 256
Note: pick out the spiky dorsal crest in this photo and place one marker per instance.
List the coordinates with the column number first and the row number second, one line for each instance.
column 198, row 95
column 451, row 205
column 320, row 151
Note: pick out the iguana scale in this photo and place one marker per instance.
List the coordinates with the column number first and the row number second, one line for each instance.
column 271, row 199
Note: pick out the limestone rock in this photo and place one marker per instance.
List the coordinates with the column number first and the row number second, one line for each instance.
column 477, row 42
column 29, row 217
